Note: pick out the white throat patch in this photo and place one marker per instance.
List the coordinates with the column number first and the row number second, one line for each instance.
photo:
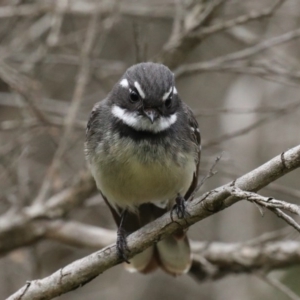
column 139, row 122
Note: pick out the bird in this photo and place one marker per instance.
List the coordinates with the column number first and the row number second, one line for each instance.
column 143, row 149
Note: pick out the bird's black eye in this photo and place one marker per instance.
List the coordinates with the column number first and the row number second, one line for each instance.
column 168, row 102
column 134, row 96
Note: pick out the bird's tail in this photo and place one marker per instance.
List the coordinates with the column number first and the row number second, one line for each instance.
column 172, row 254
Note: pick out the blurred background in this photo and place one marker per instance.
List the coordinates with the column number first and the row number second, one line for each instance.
column 237, row 64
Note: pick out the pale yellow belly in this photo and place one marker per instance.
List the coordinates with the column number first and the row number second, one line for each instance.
column 132, row 183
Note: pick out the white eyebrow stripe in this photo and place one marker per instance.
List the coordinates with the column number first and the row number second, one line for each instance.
column 124, row 83
column 139, row 89
column 167, row 94
column 174, row 90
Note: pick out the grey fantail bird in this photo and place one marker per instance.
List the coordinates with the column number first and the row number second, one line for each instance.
column 143, row 149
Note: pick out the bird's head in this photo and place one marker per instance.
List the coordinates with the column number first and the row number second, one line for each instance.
column 146, row 98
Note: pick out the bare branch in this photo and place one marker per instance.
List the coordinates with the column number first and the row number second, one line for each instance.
column 209, row 9
column 289, row 220
column 235, row 258
column 179, row 45
column 28, row 36
column 265, row 201
column 279, row 286
column 30, row 123
column 253, row 15
column 286, row 109
column 261, row 68
column 25, row 86
column 19, row 228
column 26, row 40
column 80, row 235
column 56, row 23
column 188, row 69
column 211, row 260
column 288, row 191
column 272, row 204
column 210, row 173
column 87, row 8
column 82, row 271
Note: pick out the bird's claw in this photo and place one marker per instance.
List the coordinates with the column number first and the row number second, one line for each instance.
column 180, row 208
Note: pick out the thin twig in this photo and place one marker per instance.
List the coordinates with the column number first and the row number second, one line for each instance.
column 56, row 22
column 139, row 43
column 289, row 220
column 87, row 8
column 274, row 205
column 264, row 69
column 265, row 201
column 269, row 236
column 25, row 86
column 210, row 173
column 188, row 69
column 288, row 191
column 253, row 15
column 286, row 109
column 210, row 8
column 279, row 286
column 179, row 45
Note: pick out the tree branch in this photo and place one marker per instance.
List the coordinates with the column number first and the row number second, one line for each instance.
column 279, row 286
column 265, row 201
column 217, row 260
column 188, row 69
column 86, row 8
column 282, row 111
column 180, row 44
column 23, row 227
column 273, row 205
column 80, row 235
column 251, row 16
column 211, row 260
column 84, row 270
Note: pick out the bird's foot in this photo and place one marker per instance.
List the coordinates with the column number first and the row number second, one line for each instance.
column 122, row 247
column 180, row 208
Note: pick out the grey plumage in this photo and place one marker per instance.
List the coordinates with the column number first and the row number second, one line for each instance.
column 143, row 149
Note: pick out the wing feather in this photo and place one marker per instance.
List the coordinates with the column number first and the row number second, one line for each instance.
column 196, row 137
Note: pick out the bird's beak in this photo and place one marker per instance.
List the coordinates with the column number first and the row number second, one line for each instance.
column 151, row 114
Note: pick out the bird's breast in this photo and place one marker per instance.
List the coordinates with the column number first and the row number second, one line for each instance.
column 130, row 173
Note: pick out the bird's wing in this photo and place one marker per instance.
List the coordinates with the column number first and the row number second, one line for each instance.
column 93, row 118
column 93, row 132
column 196, row 137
